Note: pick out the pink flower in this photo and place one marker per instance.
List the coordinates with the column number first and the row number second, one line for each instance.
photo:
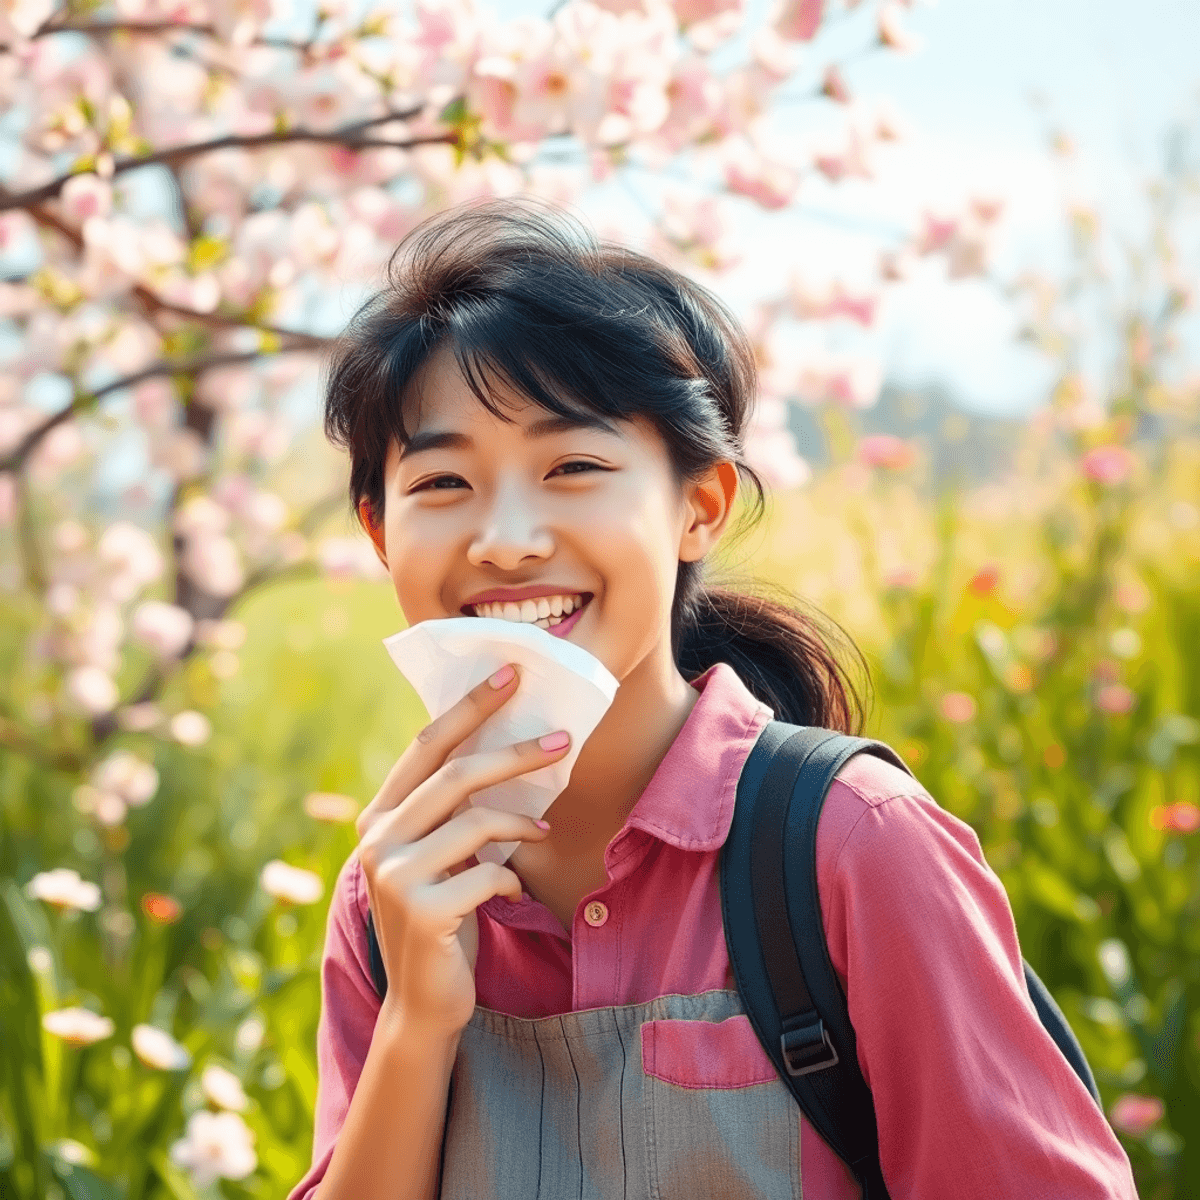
column 1136, row 1114
column 959, row 707
column 1115, row 698
column 92, row 690
column 294, row 885
column 1108, row 465
column 834, row 86
column 64, row 889
column 1180, row 817
column 748, row 172
column 86, row 196
column 800, row 19
column 936, row 232
column 77, row 1026
column 884, row 450
column 165, row 628
column 892, row 32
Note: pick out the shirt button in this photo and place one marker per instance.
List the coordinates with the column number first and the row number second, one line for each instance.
column 595, row 914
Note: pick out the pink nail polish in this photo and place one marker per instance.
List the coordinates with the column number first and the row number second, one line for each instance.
column 502, row 676
column 554, row 741
column 542, row 824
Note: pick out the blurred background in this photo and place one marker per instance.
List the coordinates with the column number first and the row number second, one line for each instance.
column 964, row 239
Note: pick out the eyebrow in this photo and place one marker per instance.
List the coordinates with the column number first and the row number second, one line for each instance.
column 448, row 439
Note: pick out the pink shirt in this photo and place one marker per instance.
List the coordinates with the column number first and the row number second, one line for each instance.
column 972, row 1097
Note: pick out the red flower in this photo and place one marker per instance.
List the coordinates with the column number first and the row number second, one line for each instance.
column 161, row 909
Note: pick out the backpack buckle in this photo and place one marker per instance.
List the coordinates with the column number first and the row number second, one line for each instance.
column 807, row 1048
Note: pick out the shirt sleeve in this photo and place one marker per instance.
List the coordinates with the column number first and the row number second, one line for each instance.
column 972, row 1097
column 349, row 1006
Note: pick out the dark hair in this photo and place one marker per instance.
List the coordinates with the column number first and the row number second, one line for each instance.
column 524, row 295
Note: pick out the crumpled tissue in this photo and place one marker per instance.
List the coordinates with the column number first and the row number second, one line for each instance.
column 561, row 686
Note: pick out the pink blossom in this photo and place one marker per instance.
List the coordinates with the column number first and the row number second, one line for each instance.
column 959, row 707
column 190, row 728
column 158, row 1049
column 884, row 450
column 1115, row 698
column 1180, row 817
column 1108, row 465
column 92, row 690
column 131, row 558
column 892, row 32
column 936, row 232
column 798, row 20
column 1135, row 1114
column 214, row 563
column 126, row 775
column 86, row 196
column 223, row 1089
column 834, row 86
column 749, row 172
column 165, row 628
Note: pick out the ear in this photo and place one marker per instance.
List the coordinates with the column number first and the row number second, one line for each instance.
column 375, row 529
column 708, row 503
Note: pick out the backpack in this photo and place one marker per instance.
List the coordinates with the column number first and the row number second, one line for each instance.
column 776, row 941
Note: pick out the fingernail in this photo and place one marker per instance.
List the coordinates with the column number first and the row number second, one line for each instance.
column 542, row 824
column 502, row 676
column 555, row 741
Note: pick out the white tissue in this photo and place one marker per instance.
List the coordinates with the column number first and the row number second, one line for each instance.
column 561, row 686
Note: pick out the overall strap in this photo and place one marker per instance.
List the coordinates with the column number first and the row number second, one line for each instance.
column 776, row 939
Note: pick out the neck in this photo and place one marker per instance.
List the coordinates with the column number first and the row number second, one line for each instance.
column 620, row 758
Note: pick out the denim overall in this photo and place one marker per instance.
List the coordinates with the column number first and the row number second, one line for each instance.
column 668, row 1100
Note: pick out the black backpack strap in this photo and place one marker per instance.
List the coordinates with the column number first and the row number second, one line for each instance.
column 776, row 938
column 1057, row 1026
column 375, row 957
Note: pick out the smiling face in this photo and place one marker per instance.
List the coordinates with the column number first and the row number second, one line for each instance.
column 479, row 506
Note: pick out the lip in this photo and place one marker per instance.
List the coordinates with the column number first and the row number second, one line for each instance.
column 530, row 592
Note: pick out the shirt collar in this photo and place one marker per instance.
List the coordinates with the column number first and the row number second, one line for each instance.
column 689, row 800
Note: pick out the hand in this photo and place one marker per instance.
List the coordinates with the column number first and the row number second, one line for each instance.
column 418, row 838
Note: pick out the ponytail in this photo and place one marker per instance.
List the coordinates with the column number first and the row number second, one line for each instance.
column 778, row 652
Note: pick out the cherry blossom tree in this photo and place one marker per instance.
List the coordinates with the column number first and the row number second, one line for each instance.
column 285, row 151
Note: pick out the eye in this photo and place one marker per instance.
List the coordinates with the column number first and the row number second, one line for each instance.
column 436, row 483
column 580, row 462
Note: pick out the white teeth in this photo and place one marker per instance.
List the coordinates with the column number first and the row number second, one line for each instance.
column 546, row 611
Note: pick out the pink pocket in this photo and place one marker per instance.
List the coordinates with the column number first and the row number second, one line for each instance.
column 705, row 1054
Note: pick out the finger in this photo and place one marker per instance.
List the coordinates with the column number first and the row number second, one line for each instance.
column 428, row 750
column 455, row 841
column 432, row 802
column 457, row 896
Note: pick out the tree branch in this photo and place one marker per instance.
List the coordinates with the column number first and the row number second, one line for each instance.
column 352, row 136
column 14, row 738
column 15, row 459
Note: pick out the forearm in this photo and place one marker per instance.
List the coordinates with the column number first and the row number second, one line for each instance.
column 390, row 1142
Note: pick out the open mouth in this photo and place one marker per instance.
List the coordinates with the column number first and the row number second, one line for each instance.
column 555, row 614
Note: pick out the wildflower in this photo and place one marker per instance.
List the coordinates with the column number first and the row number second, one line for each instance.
column 126, row 775
column 190, row 728
column 158, row 1049
column 216, row 1146
column 984, row 581
column 330, row 806
column 1180, row 817
column 1108, row 465
column 884, row 450
column 958, row 707
column 1115, row 698
column 77, row 1026
column 160, row 908
column 164, row 628
column 292, row 884
column 223, row 1088
column 1136, row 1114
column 64, row 889
column 92, row 690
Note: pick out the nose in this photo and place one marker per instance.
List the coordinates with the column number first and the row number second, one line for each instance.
column 511, row 531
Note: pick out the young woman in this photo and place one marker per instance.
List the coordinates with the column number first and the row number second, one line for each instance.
column 556, row 427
